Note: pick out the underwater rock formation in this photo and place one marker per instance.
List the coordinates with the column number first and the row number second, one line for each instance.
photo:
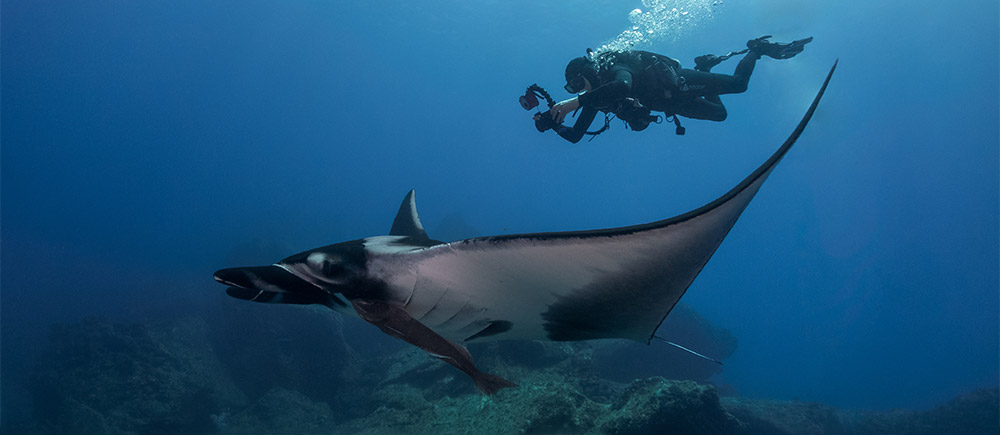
column 292, row 348
column 99, row 377
column 624, row 360
column 543, row 405
column 546, row 404
column 772, row 417
column 167, row 378
column 562, row 396
column 657, row 405
column 975, row 413
column 279, row 412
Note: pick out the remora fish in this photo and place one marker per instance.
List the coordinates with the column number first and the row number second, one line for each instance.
column 562, row 286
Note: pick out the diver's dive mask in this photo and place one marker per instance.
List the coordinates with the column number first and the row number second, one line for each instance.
column 581, row 68
column 575, row 85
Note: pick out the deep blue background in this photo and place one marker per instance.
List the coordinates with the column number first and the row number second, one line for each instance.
column 144, row 141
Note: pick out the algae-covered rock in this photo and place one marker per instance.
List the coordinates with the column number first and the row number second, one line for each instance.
column 560, row 395
column 292, row 347
column 772, row 417
column 625, row 360
column 657, row 405
column 279, row 412
column 75, row 417
column 543, row 404
column 113, row 378
column 415, row 368
column 975, row 413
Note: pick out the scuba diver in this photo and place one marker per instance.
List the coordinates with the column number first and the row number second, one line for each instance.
column 631, row 84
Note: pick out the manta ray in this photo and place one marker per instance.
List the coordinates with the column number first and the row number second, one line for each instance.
column 561, row 286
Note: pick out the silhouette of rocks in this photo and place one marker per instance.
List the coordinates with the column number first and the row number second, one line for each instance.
column 101, row 377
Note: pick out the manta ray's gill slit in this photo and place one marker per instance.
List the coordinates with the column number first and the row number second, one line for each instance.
column 436, row 303
column 493, row 328
column 410, row 296
column 460, row 311
column 477, row 324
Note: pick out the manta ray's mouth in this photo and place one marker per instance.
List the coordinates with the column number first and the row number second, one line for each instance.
column 274, row 284
column 268, row 278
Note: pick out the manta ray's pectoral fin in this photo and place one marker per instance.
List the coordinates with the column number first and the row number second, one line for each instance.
column 396, row 322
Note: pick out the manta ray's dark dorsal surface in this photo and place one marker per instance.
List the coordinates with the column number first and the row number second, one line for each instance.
column 579, row 285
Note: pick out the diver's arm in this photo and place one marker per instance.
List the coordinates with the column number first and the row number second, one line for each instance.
column 563, row 108
column 580, row 127
column 608, row 93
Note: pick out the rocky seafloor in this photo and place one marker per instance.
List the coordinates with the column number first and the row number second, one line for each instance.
column 293, row 372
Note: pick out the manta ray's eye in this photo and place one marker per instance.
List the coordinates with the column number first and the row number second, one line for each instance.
column 326, row 265
column 333, row 269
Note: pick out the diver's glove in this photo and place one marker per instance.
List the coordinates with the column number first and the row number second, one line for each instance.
column 543, row 122
column 777, row 50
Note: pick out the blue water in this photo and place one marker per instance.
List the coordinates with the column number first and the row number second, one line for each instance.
column 143, row 142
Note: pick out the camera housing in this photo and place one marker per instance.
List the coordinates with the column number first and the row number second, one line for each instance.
column 528, row 100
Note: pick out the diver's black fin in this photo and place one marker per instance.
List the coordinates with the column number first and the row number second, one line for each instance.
column 777, row 50
column 706, row 62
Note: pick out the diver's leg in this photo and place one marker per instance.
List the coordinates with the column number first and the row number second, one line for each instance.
column 709, row 86
column 397, row 322
column 706, row 83
column 709, row 108
column 744, row 69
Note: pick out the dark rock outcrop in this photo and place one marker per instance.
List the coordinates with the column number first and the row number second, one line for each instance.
column 657, row 405
column 279, row 412
column 295, row 348
column 172, row 377
column 100, row 377
column 974, row 413
column 772, row 417
column 624, row 360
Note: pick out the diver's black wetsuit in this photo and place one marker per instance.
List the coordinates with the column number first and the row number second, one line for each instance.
column 657, row 83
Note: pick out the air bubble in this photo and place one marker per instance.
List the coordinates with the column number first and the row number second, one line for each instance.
column 661, row 20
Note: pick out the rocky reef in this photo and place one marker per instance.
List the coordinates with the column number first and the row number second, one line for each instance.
column 104, row 378
column 293, row 372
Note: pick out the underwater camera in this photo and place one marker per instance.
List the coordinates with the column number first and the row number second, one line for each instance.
column 530, row 101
